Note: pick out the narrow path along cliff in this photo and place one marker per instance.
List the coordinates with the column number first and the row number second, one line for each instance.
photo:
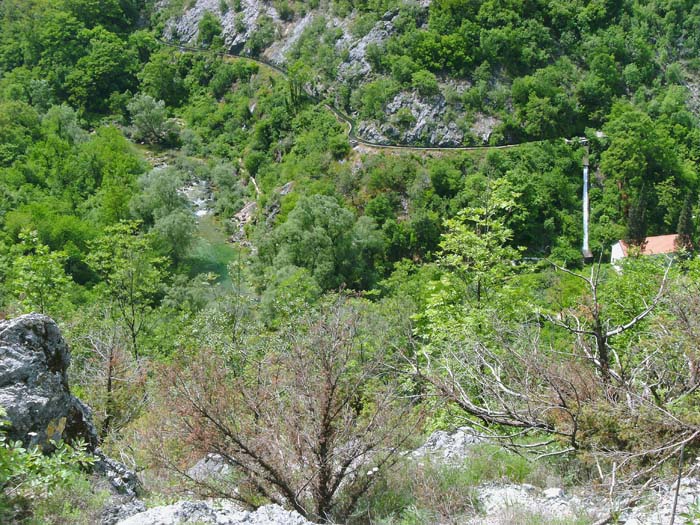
column 353, row 137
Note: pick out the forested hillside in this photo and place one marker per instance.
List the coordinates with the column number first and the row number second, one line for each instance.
column 200, row 193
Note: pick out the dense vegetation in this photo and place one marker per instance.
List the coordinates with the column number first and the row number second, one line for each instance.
column 376, row 275
column 546, row 68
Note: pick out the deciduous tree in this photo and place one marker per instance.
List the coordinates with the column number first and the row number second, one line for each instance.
column 38, row 276
column 150, row 120
column 132, row 275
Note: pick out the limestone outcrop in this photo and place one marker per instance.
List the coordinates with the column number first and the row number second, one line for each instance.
column 222, row 514
column 39, row 408
column 34, row 386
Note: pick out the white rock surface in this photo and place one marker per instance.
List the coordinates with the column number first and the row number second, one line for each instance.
column 238, row 27
column 357, row 67
column 657, row 506
column 212, row 466
column 290, row 35
column 430, row 123
column 484, row 126
column 553, row 493
column 452, row 446
column 202, row 512
column 503, row 502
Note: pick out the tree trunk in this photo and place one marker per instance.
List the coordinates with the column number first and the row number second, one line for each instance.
column 109, row 402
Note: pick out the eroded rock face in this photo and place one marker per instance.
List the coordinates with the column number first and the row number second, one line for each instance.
column 357, row 68
column 290, row 33
column 237, row 26
column 428, row 123
column 34, row 386
column 206, row 512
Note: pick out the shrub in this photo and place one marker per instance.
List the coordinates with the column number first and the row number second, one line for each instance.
column 209, row 29
column 425, row 83
column 404, row 117
column 31, row 483
column 285, row 9
column 299, row 417
column 262, row 37
column 403, row 69
column 421, row 493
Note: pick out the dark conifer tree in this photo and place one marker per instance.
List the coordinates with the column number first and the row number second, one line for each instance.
column 637, row 220
column 686, row 226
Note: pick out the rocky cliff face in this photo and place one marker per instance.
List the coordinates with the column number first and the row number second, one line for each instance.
column 34, row 387
column 238, row 25
column 413, row 119
column 410, row 118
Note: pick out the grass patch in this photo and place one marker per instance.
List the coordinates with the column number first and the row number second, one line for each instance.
column 423, row 492
column 417, row 494
column 489, row 462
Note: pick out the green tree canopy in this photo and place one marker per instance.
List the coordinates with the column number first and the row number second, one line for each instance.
column 327, row 240
column 132, row 276
column 109, row 66
column 39, row 280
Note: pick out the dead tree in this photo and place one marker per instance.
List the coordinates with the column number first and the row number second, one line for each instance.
column 517, row 389
column 594, row 331
column 310, row 423
column 629, row 409
column 114, row 377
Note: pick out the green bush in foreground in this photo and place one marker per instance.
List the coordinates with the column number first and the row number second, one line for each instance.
column 46, row 489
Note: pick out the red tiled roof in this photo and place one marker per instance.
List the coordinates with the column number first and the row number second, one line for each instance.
column 656, row 245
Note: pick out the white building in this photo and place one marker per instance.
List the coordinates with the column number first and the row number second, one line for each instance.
column 657, row 245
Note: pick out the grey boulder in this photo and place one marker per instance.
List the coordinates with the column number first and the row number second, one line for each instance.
column 209, row 468
column 452, row 447
column 34, row 386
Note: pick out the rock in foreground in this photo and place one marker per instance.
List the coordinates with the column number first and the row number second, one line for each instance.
column 34, row 386
column 34, row 392
column 509, row 502
column 656, row 507
column 204, row 512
